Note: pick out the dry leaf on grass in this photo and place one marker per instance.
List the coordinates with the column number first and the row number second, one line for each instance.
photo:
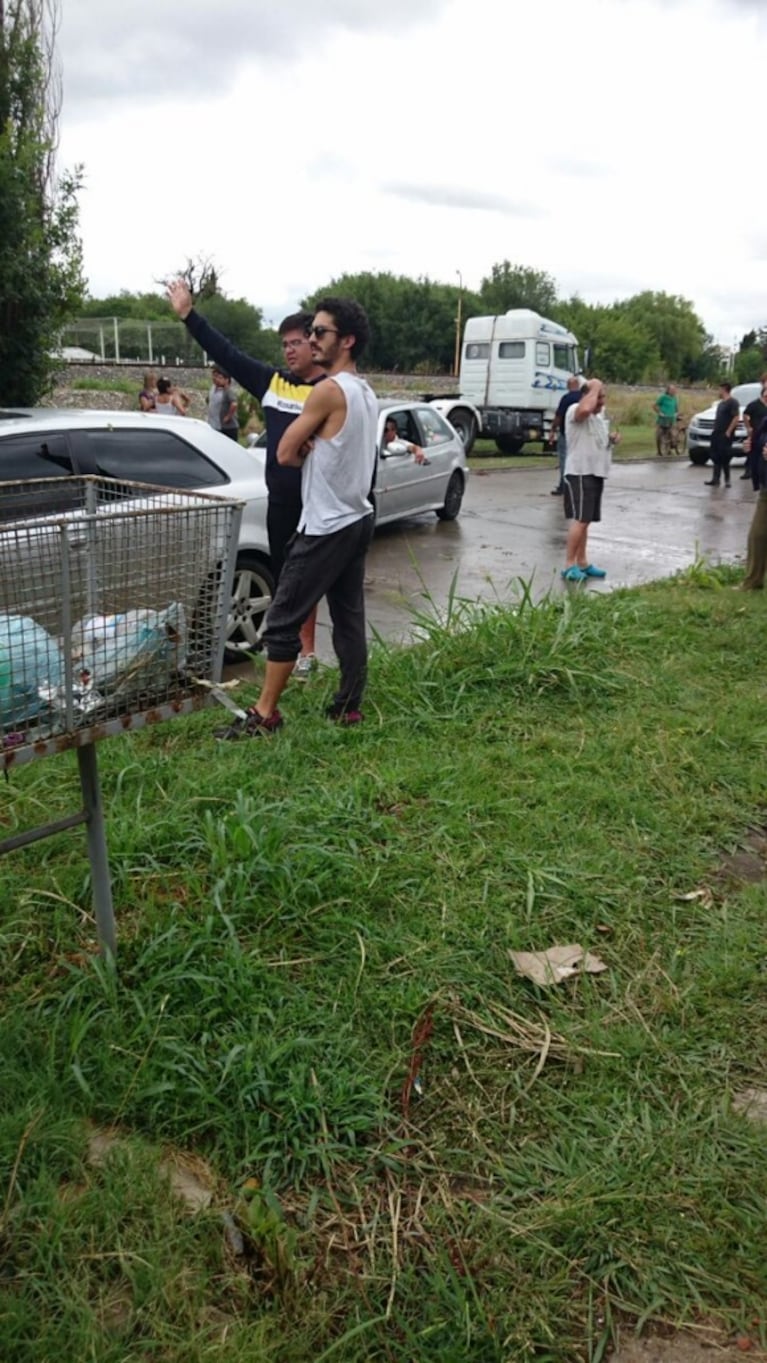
column 556, row 963
column 704, row 894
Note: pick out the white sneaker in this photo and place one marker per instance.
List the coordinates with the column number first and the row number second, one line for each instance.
column 304, row 667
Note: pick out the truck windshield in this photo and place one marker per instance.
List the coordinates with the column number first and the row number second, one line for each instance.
column 566, row 357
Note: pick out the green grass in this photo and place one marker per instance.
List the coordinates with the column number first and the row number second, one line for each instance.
column 111, row 385
column 308, row 921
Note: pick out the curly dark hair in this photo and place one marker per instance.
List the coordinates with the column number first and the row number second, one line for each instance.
column 350, row 318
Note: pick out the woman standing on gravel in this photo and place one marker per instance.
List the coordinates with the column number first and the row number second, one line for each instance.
column 148, row 395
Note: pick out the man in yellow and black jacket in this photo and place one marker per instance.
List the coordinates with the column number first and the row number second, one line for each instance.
column 282, row 394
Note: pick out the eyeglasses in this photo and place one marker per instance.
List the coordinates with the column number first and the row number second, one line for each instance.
column 319, row 332
column 294, row 345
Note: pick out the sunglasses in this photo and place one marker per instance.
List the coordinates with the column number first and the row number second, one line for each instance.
column 319, row 332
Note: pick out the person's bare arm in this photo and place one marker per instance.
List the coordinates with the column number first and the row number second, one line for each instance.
column 733, row 424
column 588, row 403
column 324, row 402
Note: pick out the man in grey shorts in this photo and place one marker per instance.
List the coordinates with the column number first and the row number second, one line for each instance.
column 589, row 455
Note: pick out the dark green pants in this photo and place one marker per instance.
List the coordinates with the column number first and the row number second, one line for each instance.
column 756, row 562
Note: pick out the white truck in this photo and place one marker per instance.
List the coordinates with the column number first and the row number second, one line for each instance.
column 514, row 370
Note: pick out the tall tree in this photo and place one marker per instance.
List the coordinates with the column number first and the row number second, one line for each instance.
column 678, row 332
column 517, row 286
column 412, row 321
column 41, row 281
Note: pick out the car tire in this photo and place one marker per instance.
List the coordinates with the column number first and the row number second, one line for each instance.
column 453, row 497
column 252, row 592
column 699, row 457
column 464, row 423
column 509, row 444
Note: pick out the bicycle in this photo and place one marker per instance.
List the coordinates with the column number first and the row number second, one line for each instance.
column 670, row 440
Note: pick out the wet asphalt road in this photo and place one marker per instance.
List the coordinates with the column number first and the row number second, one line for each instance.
column 656, row 518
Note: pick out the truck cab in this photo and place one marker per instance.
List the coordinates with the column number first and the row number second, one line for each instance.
column 514, row 370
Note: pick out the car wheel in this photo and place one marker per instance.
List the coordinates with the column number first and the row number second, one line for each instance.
column 699, row 457
column 252, row 591
column 453, row 497
column 509, row 444
column 464, row 423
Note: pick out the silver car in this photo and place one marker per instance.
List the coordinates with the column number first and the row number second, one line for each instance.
column 172, row 452
column 404, row 486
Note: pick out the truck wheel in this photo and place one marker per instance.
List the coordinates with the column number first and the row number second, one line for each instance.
column 509, row 444
column 699, row 457
column 464, row 423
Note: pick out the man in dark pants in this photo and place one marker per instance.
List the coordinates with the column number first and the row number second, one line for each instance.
column 334, row 443
column 725, row 421
column 282, row 394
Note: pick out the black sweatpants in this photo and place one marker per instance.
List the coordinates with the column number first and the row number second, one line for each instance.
column 721, row 453
column 281, row 523
column 332, row 566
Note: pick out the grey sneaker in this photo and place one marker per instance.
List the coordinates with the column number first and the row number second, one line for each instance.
column 304, row 667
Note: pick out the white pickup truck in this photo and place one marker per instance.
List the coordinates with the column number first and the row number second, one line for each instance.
column 514, row 370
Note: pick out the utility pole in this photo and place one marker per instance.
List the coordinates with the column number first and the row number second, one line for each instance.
column 456, row 362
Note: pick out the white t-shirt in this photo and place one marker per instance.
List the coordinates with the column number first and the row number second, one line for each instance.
column 336, row 476
column 588, row 444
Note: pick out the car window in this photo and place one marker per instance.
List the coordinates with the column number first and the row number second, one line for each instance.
column 26, row 458
column 436, row 430
column 512, row 350
column 406, row 428
column 34, row 455
column 145, row 456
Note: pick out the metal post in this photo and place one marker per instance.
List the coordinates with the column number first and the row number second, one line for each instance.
column 101, row 343
column 117, row 339
column 97, row 849
column 458, row 325
column 149, row 341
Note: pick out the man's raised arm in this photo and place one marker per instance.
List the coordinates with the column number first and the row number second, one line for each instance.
column 588, row 403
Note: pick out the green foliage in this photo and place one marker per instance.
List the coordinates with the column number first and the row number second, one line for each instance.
column 749, row 365
column 41, row 282
column 242, row 324
column 145, row 307
column 413, row 321
column 620, row 349
column 671, row 321
column 751, row 360
column 517, row 286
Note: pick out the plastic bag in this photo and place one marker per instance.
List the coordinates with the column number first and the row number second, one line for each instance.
column 31, row 665
column 133, row 652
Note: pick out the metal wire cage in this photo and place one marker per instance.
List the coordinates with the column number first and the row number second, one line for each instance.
column 113, row 605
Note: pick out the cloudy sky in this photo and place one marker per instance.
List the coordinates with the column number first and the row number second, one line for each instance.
column 605, row 142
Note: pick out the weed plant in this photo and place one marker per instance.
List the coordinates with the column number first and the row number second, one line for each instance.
column 412, row 1152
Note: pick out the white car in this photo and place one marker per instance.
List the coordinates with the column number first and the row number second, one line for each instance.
column 403, row 487
column 167, row 451
column 702, row 424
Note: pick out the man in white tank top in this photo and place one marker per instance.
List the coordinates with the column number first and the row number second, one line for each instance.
column 334, row 442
